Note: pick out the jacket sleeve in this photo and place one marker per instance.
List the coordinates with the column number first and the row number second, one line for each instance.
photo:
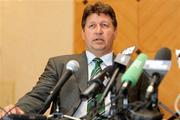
column 33, row 100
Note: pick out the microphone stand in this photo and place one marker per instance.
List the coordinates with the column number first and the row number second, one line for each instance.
column 113, row 109
column 57, row 116
column 54, row 92
column 174, row 116
column 109, row 85
column 53, row 96
column 147, row 110
column 125, row 101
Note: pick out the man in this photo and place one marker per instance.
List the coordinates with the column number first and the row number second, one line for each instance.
column 99, row 30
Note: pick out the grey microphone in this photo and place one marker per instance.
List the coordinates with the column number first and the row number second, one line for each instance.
column 71, row 67
column 157, row 69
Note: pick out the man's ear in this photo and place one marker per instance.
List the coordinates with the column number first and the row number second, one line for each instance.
column 82, row 34
column 115, row 33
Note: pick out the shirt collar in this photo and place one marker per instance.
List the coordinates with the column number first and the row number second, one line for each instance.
column 107, row 59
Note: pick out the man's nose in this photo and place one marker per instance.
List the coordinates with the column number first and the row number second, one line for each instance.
column 99, row 30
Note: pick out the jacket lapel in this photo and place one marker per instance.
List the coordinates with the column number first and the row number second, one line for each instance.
column 82, row 75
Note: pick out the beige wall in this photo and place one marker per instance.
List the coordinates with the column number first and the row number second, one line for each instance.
column 31, row 31
column 0, row 42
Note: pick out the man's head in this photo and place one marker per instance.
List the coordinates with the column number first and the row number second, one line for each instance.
column 99, row 8
column 99, row 28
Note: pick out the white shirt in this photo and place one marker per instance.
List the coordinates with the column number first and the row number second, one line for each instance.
column 107, row 61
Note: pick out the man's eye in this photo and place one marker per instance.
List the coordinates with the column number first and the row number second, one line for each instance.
column 105, row 25
column 91, row 26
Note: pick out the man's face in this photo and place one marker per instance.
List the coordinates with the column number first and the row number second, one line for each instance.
column 99, row 33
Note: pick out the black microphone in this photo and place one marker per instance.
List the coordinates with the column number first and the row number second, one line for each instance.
column 163, row 54
column 96, row 82
column 120, row 63
column 71, row 67
column 157, row 69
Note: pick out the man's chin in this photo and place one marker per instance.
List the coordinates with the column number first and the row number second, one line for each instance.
column 99, row 49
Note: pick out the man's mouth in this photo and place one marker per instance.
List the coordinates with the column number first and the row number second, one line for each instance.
column 98, row 39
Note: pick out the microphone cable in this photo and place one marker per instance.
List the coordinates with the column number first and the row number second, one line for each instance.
column 3, row 110
column 7, row 112
column 96, row 115
column 176, row 104
column 32, row 116
column 175, row 116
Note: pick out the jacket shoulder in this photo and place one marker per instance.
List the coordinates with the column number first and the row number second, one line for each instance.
column 66, row 58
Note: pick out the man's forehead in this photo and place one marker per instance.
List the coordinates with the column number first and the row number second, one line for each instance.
column 101, row 16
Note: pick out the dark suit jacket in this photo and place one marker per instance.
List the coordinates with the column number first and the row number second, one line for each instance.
column 70, row 93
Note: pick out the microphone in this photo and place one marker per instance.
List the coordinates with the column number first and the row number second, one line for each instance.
column 97, row 81
column 131, row 76
column 120, row 63
column 71, row 67
column 157, row 69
